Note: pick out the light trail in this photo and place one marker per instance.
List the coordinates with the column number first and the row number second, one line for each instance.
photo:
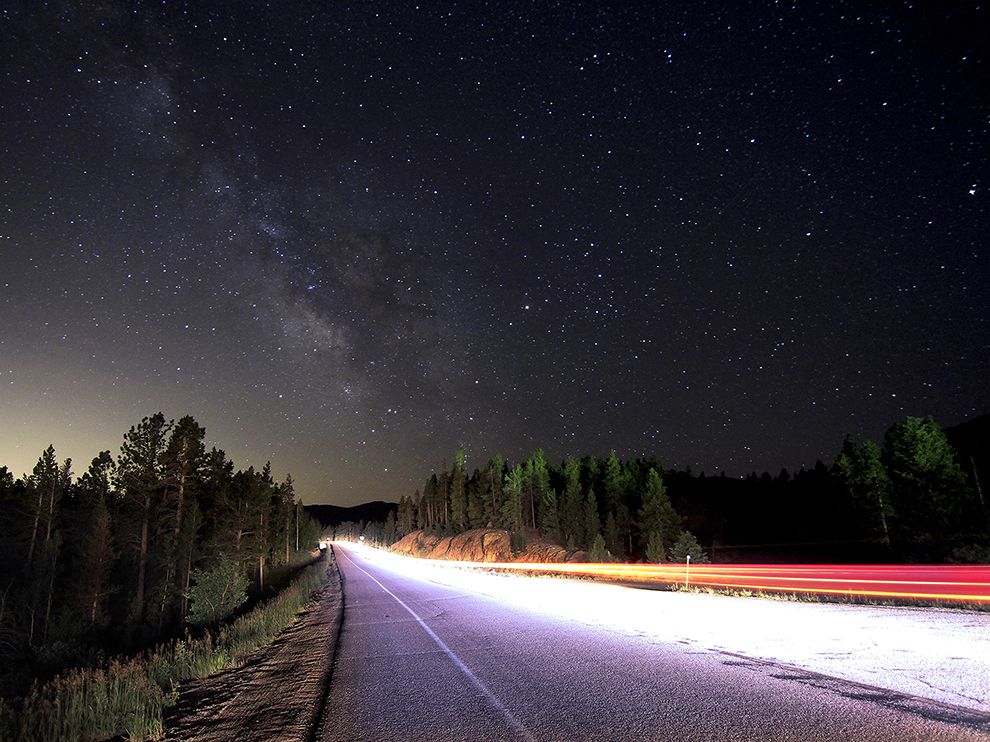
column 945, row 583
column 938, row 654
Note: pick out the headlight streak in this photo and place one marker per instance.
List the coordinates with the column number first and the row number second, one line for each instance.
column 944, row 583
column 937, row 583
column 928, row 653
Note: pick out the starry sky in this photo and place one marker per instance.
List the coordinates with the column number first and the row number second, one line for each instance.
column 352, row 237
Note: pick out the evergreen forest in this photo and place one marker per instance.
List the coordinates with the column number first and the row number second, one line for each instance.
column 166, row 537
column 915, row 497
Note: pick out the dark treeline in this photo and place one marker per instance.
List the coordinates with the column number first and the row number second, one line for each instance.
column 908, row 499
column 613, row 509
column 111, row 561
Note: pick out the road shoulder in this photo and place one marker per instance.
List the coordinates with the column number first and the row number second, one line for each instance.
column 278, row 693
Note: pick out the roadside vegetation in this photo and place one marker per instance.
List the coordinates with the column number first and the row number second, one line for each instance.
column 127, row 697
column 163, row 538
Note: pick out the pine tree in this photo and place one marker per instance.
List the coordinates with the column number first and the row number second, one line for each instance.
column 613, row 534
column 181, row 461
column 655, row 552
column 189, row 548
column 536, row 482
column 475, row 501
column 592, row 525
column 571, row 511
column 861, row 472
column 458, row 498
column 141, row 480
column 431, row 498
column 685, row 545
column 42, row 487
column 96, row 553
column 419, row 511
column 612, row 483
column 443, row 501
column 391, row 529
column 492, row 495
column 96, row 484
column 511, row 516
column 46, row 487
column 598, row 552
column 286, row 493
column 613, row 487
column 549, row 522
column 265, row 506
column 590, row 469
column 404, row 517
column 92, row 544
column 657, row 515
column 928, row 485
column 40, row 587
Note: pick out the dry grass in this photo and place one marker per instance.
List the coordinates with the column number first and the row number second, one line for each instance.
column 128, row 696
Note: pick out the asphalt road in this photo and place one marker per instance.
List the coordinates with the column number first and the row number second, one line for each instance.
column 418, row 660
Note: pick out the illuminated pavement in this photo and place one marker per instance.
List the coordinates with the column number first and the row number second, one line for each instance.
column 430, row 652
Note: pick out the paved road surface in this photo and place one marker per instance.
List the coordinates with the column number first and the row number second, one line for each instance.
column 419, row 660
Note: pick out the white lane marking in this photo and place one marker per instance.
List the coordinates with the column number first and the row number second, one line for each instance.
column 514, row 723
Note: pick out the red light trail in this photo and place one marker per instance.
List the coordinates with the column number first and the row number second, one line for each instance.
column 948, row 583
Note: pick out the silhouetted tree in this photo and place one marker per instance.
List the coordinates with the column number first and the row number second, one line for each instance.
column 536, row 481
column 657, row 515
column 511, row 516
column 97, row 556
column 861, row 471
column 654, row 548
column 598, row 551
column 549, row 522
column 493, row 477
column 141, row 479
column 928, row 486
column 685, row 545
column 571, row 506
column 592, row 525
column 457, row 495
column 476, row 502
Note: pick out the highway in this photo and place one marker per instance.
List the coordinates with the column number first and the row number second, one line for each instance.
column 420, row 659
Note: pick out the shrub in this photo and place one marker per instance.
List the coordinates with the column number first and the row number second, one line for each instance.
column 654, row 548
column 970, row 554
column 685, row 545
column 216, row 593
column 598, row 551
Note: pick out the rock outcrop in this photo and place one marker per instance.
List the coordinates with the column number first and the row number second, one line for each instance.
column 483, row 545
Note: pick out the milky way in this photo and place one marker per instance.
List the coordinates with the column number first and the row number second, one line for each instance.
column 350, row 239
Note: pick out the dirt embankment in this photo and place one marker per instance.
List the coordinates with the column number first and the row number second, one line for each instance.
column 280, row 691
column 484, row 545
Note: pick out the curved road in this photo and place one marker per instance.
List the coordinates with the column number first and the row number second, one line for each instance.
column 419, row 660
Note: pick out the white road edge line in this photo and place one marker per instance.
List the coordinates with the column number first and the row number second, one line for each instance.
column 514, row 723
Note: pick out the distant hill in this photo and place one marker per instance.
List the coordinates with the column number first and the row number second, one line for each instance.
column 334, row 515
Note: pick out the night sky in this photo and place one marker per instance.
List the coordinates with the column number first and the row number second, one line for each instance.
column 350, row 238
